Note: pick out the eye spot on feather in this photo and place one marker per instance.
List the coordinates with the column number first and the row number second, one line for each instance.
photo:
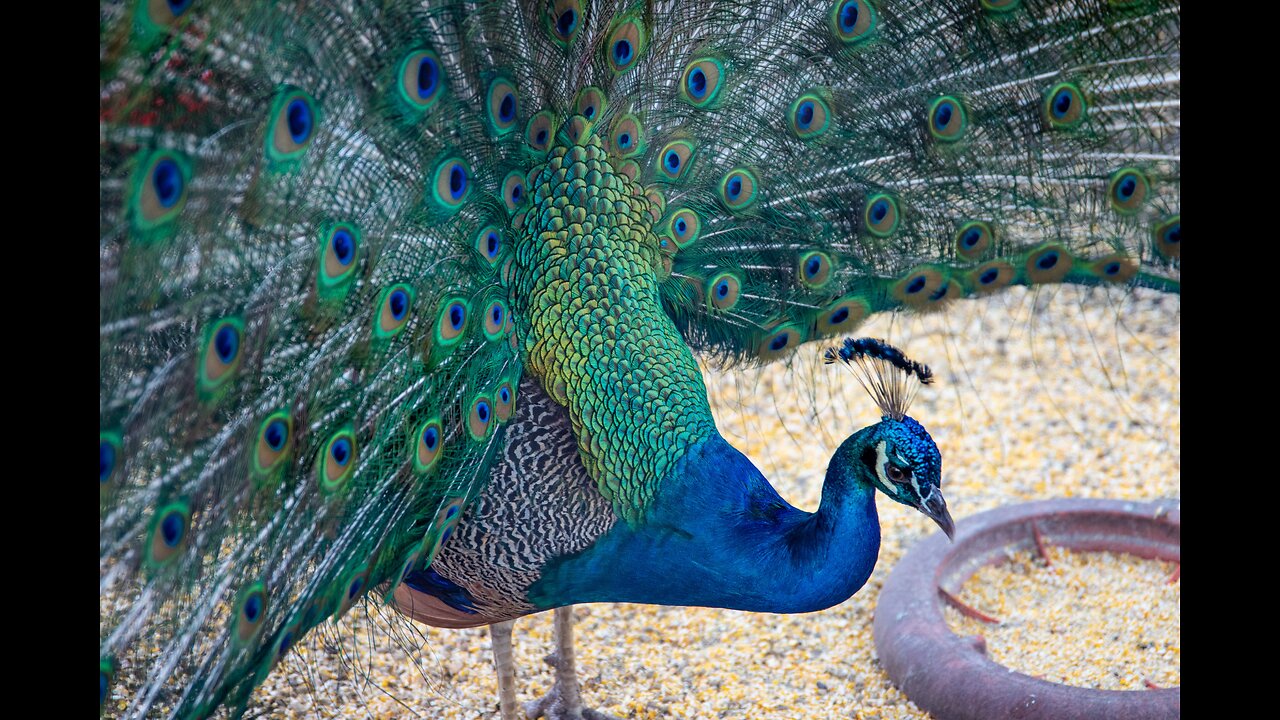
column 814, row 269
column 336, row 463
column 974, row 239
column 738, row 189
column 430, row 443
column 852, row 21
column 293, row 126
column 452, row 321
column 591, row 102
column 781, row 341
column 160, row 189
column 452, row 184
column 947, row 119
column 421, row 84
column 626, row 139
column 1064, row 106
column 275, row 440
column 809, row 116
column 1168, row 237
column 513, row 190
column 479, row 417
column 563, row 21
column 504, row 401
column 625, row 44
column 251, row 610
column 338, row 246
column 1128, row 190
column 495, row 319
column 724, row 291
column 221, row 354
column 502, row 106
column 842, row 316
column 684, row 227
column 539, row 130
column 991, row 276
column 1116, row 268
column 701, row 82
column 169, row 532
column 921, row 288
column 881, row 215
column 1048, row 264
column 110, row 448
column 393, row 313
column 676, row 157
column 489, row 245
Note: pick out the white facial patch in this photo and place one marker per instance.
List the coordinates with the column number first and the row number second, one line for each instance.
column 882, row 458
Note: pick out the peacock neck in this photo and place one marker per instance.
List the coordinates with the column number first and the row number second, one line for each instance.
column 721, row 536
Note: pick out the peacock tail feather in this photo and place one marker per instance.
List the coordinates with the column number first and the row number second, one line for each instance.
column 336, row 236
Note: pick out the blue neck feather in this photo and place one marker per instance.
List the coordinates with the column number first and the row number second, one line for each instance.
column 721, row 536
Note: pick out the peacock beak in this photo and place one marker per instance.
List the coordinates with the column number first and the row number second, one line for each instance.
column 935, row 506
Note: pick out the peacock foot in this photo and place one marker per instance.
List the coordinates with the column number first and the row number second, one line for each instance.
column 562, row 701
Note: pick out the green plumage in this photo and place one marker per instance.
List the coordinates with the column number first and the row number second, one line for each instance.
column 335, row 235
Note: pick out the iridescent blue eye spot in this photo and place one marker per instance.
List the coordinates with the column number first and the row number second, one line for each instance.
column 496, row 314
column 428, row 77
column 354, row 589
column 1174, row 233
column 671, row 160
column 734, row 188
column 722, row 289
column 340, row 451
column 226, row 343
column 589, row 111
column 566, row 22
column 299, row 119
column 1111, row 268
column 1062, row 103
column 344, row 247
column 1047, row 261
column 177, row 7
column 399, row 303
column 253, row 607
column 445, row 537
column 507, row 108
column 812, row 267
column 457, row 181
column 171, row 529
column 779, row 342
column 430, row 437
column 848, row 16
column 916, row 285
column 167, row 181
column 517, row 192
column 940, row 293
column 879, row 210
column 505, row 395
column 942, row 116
column 839, row 316
column 451, row 512
column 971, row 237
column 276, row 433
column 106, row 461
column 624, row 141
column 804, row 115
column 697, row 83
column 286, row 642
column 989, row 276
column 457, row 314
column 622, row 52
column 541, row 137
column 491, row 245
column 1126, row 187
column 482, row 411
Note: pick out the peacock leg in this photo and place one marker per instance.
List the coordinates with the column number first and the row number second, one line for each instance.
column 563, row 701
column 506, row 668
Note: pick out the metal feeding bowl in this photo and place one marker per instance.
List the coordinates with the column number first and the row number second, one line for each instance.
column 951, row 676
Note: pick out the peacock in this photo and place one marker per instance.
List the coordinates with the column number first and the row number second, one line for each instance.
column 403, row 302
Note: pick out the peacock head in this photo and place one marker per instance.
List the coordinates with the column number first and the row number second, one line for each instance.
column 896, row 455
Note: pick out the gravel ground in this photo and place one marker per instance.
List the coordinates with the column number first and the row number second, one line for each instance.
column 1066, row 402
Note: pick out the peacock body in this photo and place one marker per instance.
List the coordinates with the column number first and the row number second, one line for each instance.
column 407, row 298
